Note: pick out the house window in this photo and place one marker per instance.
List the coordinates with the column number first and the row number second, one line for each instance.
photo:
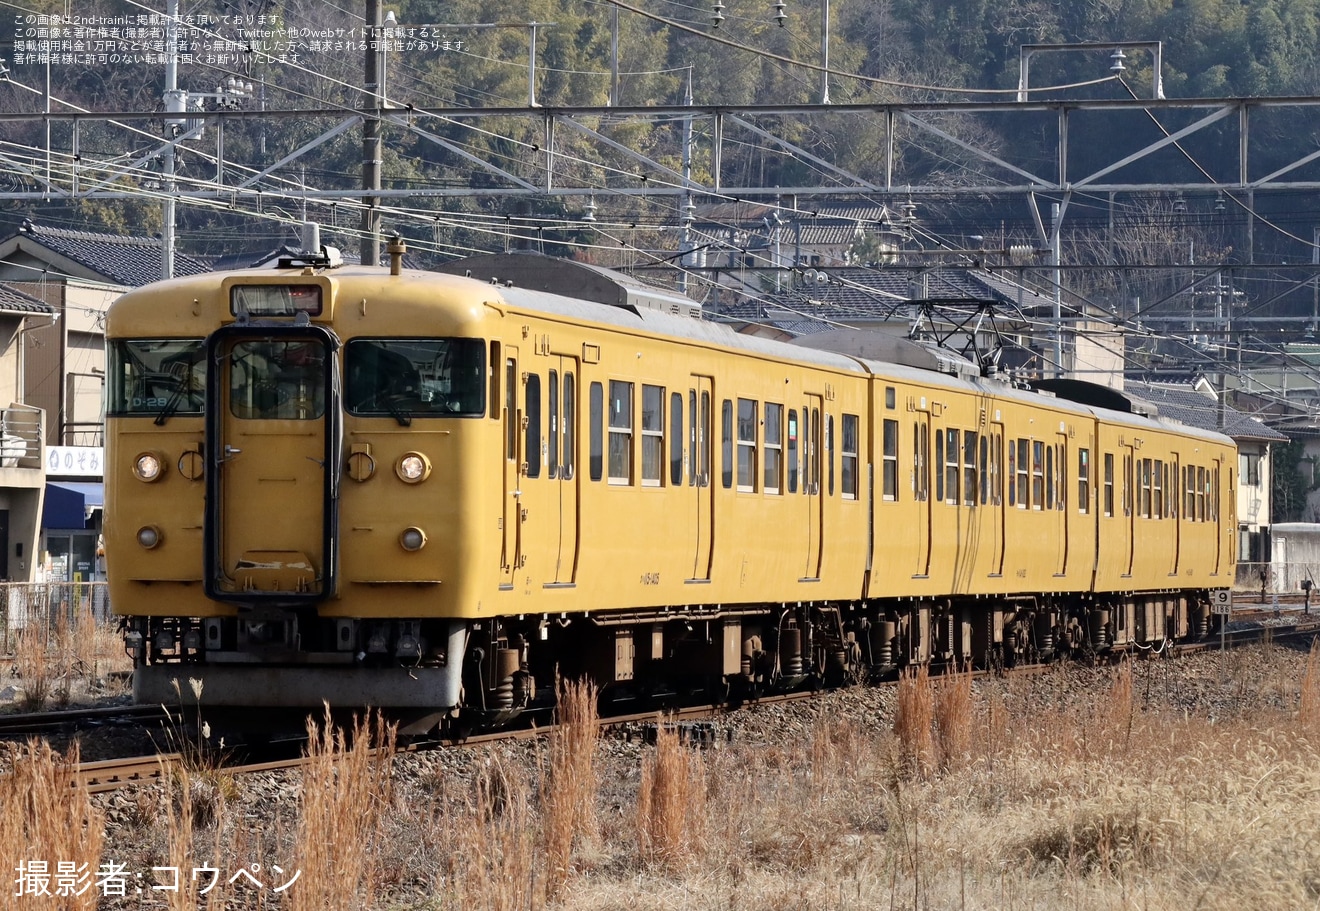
column 1250, row 468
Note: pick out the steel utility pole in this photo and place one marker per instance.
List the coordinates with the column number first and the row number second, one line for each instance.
column 371, row 144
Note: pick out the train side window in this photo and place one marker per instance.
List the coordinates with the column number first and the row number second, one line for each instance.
column 726, row 443
column 1061, row 469
column 1083, row 481
column 1127, row 485
column 773, row 461
column 922, row 443
column 511, row 409
column 532, row 450
column 849, row 482
column 951, row 454
column 495, row 381
column 792, row 450
column 1200, row 495
column 969, row 468
column 1049, row 477
column 694, row 472
column 997, row 482
column 1024, row 473
column 985, row 468
column 1012, row 474
column 570, row 428
column 890, row 455
column 595, row 453
column 1157, row 492
column 829, row 450
column 621, row 432
column 1108, row 505
column 1037, row 473
column 705, row 439
column 552, row 422
column 747, row 445
column 676, row 439
column 1189, row 493
column 653, row 435
column 890, row 398
column 1143, row 488
column 939, row 466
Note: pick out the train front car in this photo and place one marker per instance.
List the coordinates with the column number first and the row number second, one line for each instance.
column 285, row 516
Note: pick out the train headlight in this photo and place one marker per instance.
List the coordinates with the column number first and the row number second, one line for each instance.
column 412, row 538
column 148, row 467
column 413, row 468
column 148, row 536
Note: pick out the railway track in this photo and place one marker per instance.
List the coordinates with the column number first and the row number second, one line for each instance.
column 1248, row 626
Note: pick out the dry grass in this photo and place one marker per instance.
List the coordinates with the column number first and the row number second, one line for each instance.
column 914, row 719
column 568, row 797
column 345, row 794
column 670, row 803
column 47, row 817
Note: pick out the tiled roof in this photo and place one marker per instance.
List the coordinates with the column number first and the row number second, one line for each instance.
column 1196, row 409
column 14, row 301
column 856, row 293
column 131, row 261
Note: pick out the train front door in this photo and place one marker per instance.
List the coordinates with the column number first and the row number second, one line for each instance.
column 272, row 444
column 700, row 491
column 813, row 452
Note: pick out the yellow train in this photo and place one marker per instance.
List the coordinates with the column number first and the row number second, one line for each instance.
column 432, row 491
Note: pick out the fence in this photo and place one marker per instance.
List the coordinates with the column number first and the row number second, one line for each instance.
column 25, row 604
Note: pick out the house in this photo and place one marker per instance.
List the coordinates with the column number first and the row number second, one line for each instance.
column 59, row 371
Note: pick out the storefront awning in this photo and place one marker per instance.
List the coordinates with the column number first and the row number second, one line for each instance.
column 69, row 504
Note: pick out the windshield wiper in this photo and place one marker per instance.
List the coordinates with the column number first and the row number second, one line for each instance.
column 171, row 405
column 392, row 406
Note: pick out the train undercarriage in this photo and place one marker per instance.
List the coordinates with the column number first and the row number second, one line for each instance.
column 496, row 672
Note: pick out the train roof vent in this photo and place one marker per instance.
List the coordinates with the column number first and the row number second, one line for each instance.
column 569, row 278
column 891, row 349
column 1097, row 396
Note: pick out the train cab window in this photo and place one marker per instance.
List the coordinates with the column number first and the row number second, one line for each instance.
column 889, row 471
column 792, row 450
column 415, row 377
column 277, row 379
column 569, row 426
column 532, row 420
column 653, row 435
column 1108, row 505
column 773, row 462
column 156, row 377
column 969, row 468
column 1083, row 481
column 726, row 444
column 747, row 445
column 595, row 450
column 621, row 432
column 849, row 482
column 676, row 439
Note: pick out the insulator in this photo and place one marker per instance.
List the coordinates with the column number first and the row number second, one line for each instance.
column 780, row 15
column 716, row 14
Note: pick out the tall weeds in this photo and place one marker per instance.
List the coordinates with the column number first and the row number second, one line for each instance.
column 953, row 719
column 493, row 865
column 568, row 798
column 914, row 718
column 47, row 817
column 670, row 803
column 344, row 797
column 1308, row 703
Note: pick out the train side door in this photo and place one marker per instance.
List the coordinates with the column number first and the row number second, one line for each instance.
column 511, row 505
column 272, row 439
column 561, row 467
column 701, row 492
column 813, row 452
column 921, row 491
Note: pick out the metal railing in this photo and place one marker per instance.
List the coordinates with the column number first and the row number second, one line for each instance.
column 31, row 604
column 20, row 437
